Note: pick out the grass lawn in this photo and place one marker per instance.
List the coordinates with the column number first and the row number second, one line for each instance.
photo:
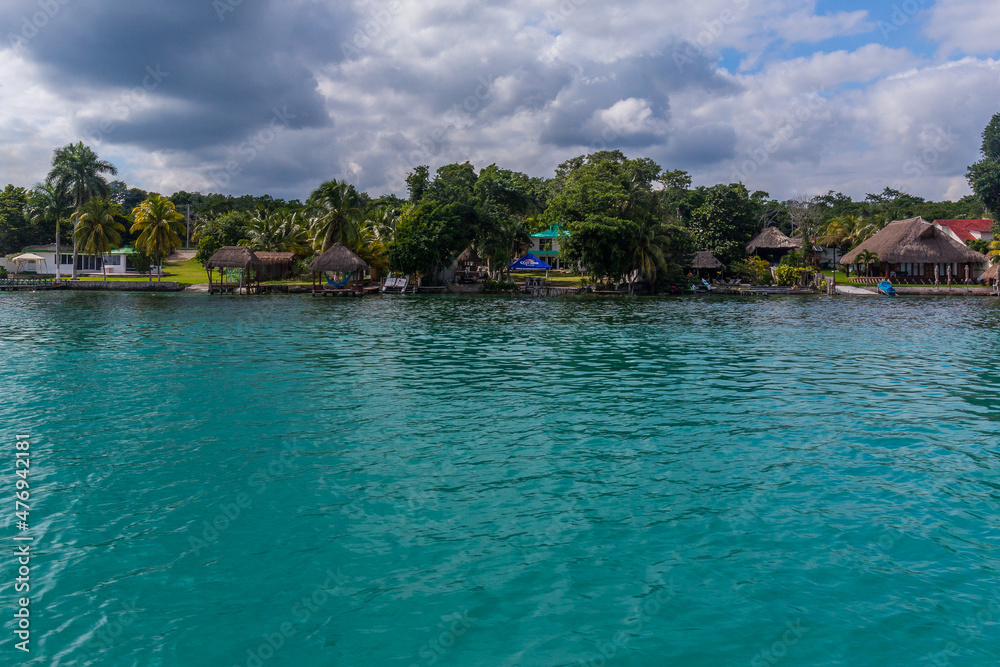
column 186, row 273
column 555, row 279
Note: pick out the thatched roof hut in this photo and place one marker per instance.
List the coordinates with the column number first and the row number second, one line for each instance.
column 268, row 258
column 338, row 259
column 915, row 241
column 277, row 265
column 469, row 256
column 773, row 239
column 233, row 257
column 703, row 260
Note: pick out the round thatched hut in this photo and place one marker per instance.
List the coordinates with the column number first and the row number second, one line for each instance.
column 704, row 262
column 238, row 267
column 772, row 244
column 337, row 260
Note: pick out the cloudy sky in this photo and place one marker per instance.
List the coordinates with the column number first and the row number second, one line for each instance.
column 275, row 96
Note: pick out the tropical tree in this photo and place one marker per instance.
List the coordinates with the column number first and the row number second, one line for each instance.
column 97, row 231
column 78, row 172
column 47, row 205
column 725, row 222
column 658, row 246
column 866, row 258
column 984, row 176
column 334, row 208
column 279, row 231
column 160, row 228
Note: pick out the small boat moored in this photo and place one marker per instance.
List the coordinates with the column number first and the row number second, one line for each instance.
column 885, row 287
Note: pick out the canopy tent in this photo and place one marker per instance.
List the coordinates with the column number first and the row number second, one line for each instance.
column 529, row 263
column 20, row 260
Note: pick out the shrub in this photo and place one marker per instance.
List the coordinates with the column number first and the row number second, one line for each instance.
column 3, row 272
column 789, row 275
column 753, row 270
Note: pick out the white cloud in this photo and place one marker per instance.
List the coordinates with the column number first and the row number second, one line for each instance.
column 526, row 84
column 965, row 26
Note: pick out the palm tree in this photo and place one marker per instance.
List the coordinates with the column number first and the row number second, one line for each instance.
column 46, row 204
column 334, row 209
column 866, row 258
column 370, row 248
column 649, row 254
column 160, row 228
column 77, row 172
column 279, row 231
column 96, row 230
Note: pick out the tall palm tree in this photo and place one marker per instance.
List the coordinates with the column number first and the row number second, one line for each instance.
column 78, row 172
column 160, row 229
column 335, row 209
column 47, row 204
column 96, row 230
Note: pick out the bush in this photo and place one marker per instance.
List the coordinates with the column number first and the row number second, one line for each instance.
column 753, row 270
column 141, row 262
column 496, row 287
column 789, row 275
column 3, row 273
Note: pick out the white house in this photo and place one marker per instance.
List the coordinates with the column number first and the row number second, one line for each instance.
column 116, row 262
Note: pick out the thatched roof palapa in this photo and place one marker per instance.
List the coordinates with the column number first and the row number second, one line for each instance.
column 233, row 257
column 338, row 259
column 706, row 260
column 268, row 258
column 772, row 238
column 469, row 256
column 915, row 241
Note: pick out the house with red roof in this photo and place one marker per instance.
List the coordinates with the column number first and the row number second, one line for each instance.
column 966, row 230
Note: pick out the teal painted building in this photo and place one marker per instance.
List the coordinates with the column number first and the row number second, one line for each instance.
column 546, row 245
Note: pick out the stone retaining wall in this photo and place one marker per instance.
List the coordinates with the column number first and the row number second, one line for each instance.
column 121, row 286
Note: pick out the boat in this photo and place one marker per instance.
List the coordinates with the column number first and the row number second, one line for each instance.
column 885, row 287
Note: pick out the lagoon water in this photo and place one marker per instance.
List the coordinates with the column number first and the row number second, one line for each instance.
column 501, row 481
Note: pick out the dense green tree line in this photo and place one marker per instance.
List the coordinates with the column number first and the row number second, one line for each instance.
column 629, row 220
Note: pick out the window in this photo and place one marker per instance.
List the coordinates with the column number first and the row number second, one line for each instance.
column 66, row 260
column 114, row 260
column 88, row 263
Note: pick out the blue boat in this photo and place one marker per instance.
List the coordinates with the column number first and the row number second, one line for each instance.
column 885, row 287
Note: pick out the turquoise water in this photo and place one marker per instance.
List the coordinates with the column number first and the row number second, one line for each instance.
column 438, row 481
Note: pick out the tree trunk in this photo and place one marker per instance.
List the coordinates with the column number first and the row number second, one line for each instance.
column 159, row 268
column 75, row 255
column 58, row 274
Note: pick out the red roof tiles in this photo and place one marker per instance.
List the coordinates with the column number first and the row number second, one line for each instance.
column 964, row 228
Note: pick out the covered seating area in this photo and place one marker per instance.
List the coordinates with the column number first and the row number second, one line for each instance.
column 772, row 244
column 706, row 265
column 343, row 270
column 28, row 260
column 916, row 252
column 468, row 266
column 238, row 271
